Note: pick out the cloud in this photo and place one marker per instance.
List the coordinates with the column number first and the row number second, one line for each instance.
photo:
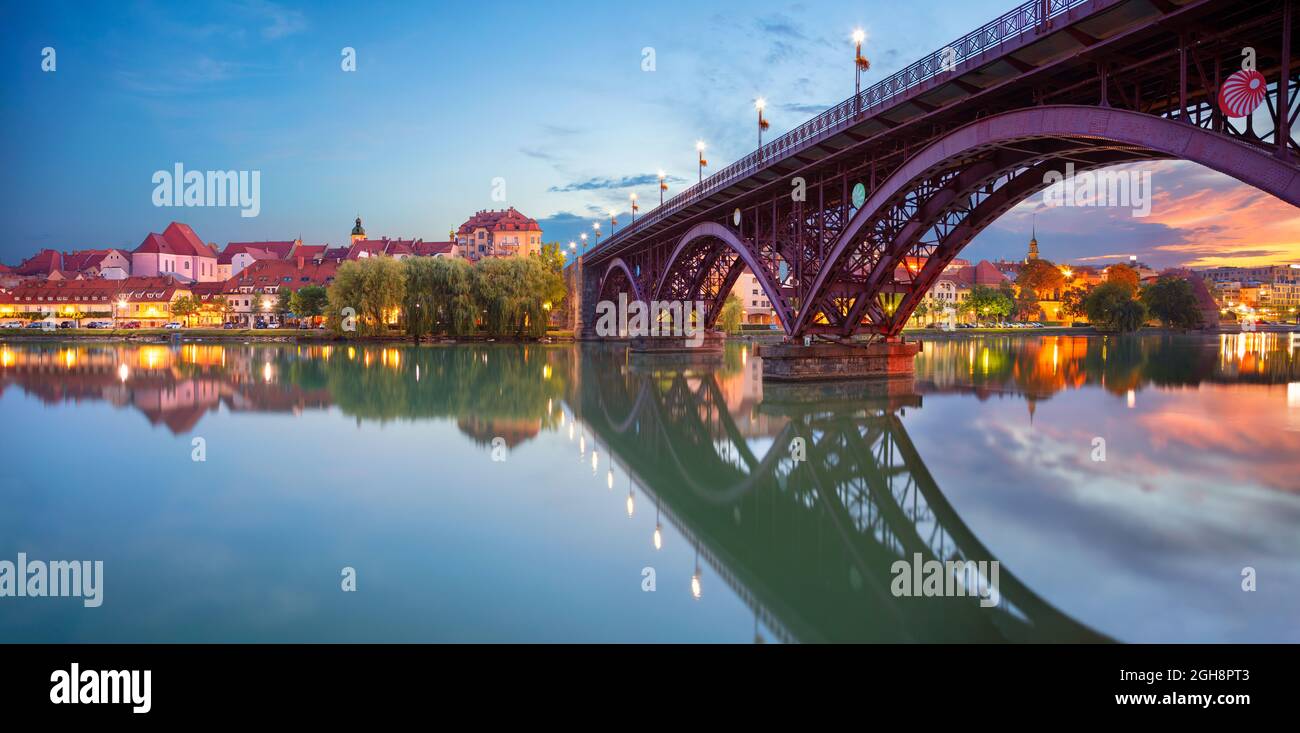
column 804, row 109
column 278, row 20
column 540, row 155
column 779, row 25
column 609, row 184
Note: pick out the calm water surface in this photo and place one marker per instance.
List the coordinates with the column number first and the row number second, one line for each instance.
column 512, row 493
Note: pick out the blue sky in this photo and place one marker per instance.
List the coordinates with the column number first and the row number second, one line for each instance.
column 551, row 97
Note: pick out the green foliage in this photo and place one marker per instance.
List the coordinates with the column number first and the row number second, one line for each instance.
column 1111, row 307
column 1040, row 279
column 1171, row 300
column 986, row 302
column 184, row 307
column 1125, row 276
column 513, row 293
column 733, row 312
column 372, row 287
column 283, row 304
column 439, row 296
column 1072, row 302
column 309, row 301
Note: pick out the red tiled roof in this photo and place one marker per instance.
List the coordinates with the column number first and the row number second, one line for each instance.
column 507, row 220
column 281, row 250
column 273, row 273
column 311, row 251
column 41, row 263
column 430, row 249
column 176, row 239
column 228, row 256
column 91, row 291
column 983, row 273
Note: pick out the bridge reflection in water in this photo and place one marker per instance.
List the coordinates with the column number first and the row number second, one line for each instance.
column 807, row 544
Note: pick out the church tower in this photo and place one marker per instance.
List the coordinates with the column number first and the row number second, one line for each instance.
column 358, row 232
column 1034, row 243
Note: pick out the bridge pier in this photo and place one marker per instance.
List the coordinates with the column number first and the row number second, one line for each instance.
column 798, row 363
column 701, row 342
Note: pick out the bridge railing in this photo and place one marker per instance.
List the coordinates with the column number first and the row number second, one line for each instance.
column 871, row 101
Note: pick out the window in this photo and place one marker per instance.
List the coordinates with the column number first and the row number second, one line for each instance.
column 187, row 264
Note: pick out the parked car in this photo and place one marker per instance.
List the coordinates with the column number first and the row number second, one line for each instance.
column 99, row 324
column 228, row 325
column 42, row 325
column 67, row 324
column 12, row 324
column 172, row 326
column 131, row 324
column 259, row 324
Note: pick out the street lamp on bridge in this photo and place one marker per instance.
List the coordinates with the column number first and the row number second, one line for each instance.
column 583, row 237
column 759, row 104
column 663, row 186
column 635, row 208
column 596, row 226
column 860, row 64
column 613, row 222
column 699, row 148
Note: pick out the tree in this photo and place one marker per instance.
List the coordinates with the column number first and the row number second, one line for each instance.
column 733, row 312
column 1040, row 279
column 1027, row 307
column 1123, row 275
column 373, row 288
column 552, row 257
column 1170, row 299
column 219, row 306
column 1072, row 301
column 283, row 304
column 1111, row 307
column 310, row 301
column 985, row 302
column 184, row 307
column 514, row 294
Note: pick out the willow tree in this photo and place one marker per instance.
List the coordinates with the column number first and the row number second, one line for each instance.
column 514, row 294
column 373, row 288
column 439, row 296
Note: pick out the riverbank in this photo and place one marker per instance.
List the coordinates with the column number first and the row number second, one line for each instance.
column 240, row 335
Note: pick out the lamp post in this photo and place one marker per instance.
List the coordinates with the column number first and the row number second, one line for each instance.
column 596, row 226
column 699, row 148
column 860, row 64
column 663, row 186
column 635, row 208
column 759, row 104
column 613, row 222
column 583, row 237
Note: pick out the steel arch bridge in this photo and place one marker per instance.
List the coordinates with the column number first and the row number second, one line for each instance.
column 896, row 180
column 807, row 544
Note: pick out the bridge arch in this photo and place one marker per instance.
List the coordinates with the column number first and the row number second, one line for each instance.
column 616, row 266
column 1062, row 132
column 677, row 262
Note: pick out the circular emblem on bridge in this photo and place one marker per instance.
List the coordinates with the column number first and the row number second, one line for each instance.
column 735, row 216
column 859, row 195
column 1242, row 93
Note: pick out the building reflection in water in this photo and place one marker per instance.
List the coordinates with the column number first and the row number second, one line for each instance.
column 806, row 544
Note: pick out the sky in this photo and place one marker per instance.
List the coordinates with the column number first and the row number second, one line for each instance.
column 549, row 106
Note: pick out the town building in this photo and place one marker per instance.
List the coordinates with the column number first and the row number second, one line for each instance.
column 111, row 264
column 503, row 233
column 144, row 299
column 753, row 300
column 178, row 253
